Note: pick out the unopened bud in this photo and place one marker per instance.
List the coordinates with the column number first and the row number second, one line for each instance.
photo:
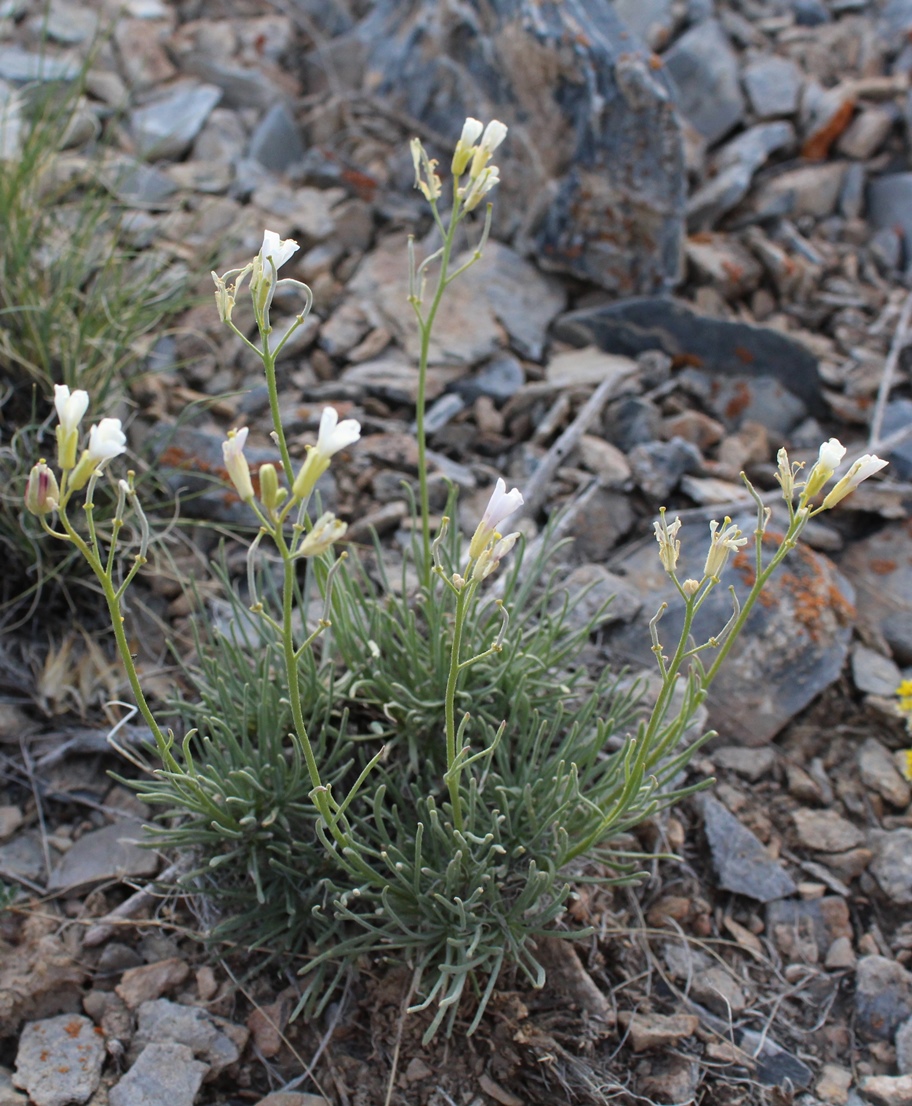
column 41, row 492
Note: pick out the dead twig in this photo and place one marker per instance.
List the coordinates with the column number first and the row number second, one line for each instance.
column 900, row 338
column 105, row 927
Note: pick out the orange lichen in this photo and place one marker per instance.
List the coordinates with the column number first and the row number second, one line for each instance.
column 817, row 145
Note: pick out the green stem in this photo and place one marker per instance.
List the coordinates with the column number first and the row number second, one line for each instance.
column 272, row 387
column 452, row 775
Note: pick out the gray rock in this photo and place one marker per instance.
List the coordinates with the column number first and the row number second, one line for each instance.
column 276, row 142
column 657, row 467
column 59, row 1060
column 755, row 146
column 866, row 133
column 826, row 831
column 222, row 139
column 773, row 85
column 883, row 997
column 104, row 854
column 709, row 983
column 164, row 1022
column 704, row 71
column 632, row 421
column 718, row 195
column 903, row 1042
column 588, row 589
column 880, row 569
column 879, row 773
column 892, row 863
column 499, row 379
column 897, row 632
column 810, row 13
column 897, row 416
column 22, row 66
column 166, row 127
column 897, row 18
column 741, row 862
column 242, row 87
column 752, row 764
column 720, row 347
column 652, row 20
column 874, row 673
column 501, row 291
column 593, row 181
column 162, row 1073
column 609, row 516
column 783, row 659
column 890, row 205
column 69, row 23
column 137, row 185
column 852, row 192
column 24, row 856
column 807, row 190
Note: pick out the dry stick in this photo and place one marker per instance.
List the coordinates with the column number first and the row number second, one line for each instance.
column 537, row 487
column 106, row 927
column 900, row 337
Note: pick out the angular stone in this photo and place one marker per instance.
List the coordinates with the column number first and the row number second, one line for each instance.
column 106, row 854
column 808, row 190
column 59, row 1060
column 826, row 831
column 657, row 467
column 880, row 568
column 167, row 126
column 21, row 66
column 752, row 764
column 631, row 327
column 874, row 673
column 887, row 1090
column 276, row 142
column 866, row 133
column 879, row 773
column 892, row 863
column 163, row 1073
column 658, row 1030
column 883, row 997
column 890, row 205
column 741, row 862
column 605, row 460
column 161, row 1021
column 773, row 85
column 596, row 596
column 704, row 70
column 499, row 380
column 903, row 1042
column 593, row 192
column 149, row 982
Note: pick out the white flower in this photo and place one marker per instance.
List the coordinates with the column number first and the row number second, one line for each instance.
column 721, row 543
column 478, row 187
column 501, row 505
column 71, row 406
column 326, row 530
column 495, row 132
column 465, row 147
column 669, row 545
column 863, row 468
column 106, row 440
column 430, row 188
column 333, row 436
column 492, row 556
column 236, row 462
column 828, row 459
column 277, row 250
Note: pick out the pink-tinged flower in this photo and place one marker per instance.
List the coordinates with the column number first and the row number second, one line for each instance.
column 828, row 460
column 863, row 468
column 41, row 492
column 236, row 462
column 501, row 506
column 333, row 436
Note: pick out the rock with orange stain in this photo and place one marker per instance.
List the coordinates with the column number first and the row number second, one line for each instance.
column 59, row 1060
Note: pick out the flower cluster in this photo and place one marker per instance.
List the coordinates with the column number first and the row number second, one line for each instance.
column 829, row 458
column 264, row 281
column 44, row 492
column 488, row 546
column 473, row 154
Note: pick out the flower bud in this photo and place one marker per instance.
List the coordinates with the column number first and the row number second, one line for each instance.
column 236, row 462
column 863, row 468
column 326, row 530
column 828, row 460
column 71, row 406
column 41, row 492
column 271, row 495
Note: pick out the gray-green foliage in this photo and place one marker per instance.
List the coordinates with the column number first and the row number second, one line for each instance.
column 78, row 305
